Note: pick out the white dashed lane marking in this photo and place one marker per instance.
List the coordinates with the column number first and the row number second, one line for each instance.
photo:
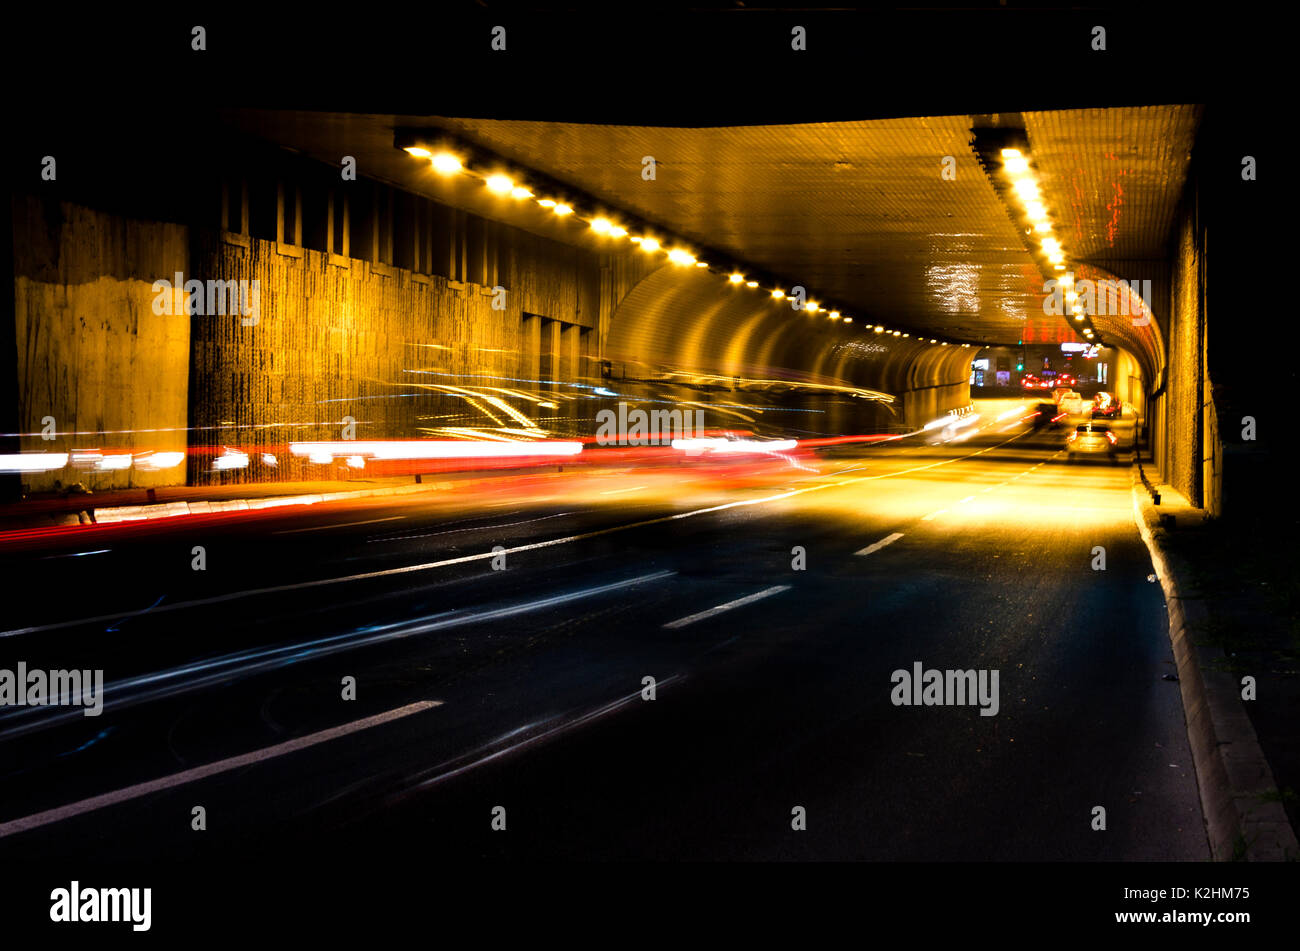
column 887, row 540
column 212, row 769
column 739, row 602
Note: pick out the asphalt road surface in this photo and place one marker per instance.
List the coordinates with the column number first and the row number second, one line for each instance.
column 771, row 597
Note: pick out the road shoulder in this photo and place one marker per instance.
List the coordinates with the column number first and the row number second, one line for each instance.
column 1244, row 816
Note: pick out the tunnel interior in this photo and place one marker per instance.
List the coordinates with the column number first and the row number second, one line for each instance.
column 808, row 280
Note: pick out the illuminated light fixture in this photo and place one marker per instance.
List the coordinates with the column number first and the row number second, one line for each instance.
column 1035, row 211
column 678, row 256
column 1079, row 317
column 546, row 202
column 848, row 320
column 431, row 449
column 155, row 461
column 563, row 210
column 879, row 329
column 778, row 294
column 736, row 278
column 1027, row 189
column 1016, row 166
column 230, row 459
column 898, row 333
column 1043, row 225
column 834, row 315
column 751, row 283
column 1060, row 267
column 932, row 340
column 649, row 244
column 419, row 152
column 1070, row 296
column 907, row 335
column 701, row 263
column 812, row 307
column 1067, row 281
column 499, row 184
column 33, row 461
column 1051, row 245
column 446, row 164
column 697, row 446
column 519, row 191
column 615, row 231
column 600, row 225
column 1011, row 154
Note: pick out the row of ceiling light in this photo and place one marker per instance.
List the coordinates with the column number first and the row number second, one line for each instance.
column 447, row 163
column 1025, row 188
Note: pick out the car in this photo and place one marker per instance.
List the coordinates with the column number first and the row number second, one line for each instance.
column 1092, row 439
column 1045, row 415
column 1105, row 406
column 1072, row 404
column 1059, row 392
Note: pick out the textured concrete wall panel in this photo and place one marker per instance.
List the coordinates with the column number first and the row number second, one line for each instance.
column 92, row 354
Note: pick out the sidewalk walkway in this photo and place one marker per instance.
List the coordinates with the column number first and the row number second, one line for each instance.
column 1230, row 617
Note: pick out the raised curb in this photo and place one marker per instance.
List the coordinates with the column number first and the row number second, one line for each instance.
column 1231, row 772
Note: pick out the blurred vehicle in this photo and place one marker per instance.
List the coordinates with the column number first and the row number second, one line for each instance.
column 1105, row 406
column 1072, row 403
column 1091, row 439
column 1045, row 415
column 1059, row 392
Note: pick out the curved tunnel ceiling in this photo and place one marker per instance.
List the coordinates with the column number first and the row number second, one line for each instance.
column 858, row 212
column 683, row 323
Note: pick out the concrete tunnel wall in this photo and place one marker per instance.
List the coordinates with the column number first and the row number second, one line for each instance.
column 1163, row 370
column 91, row 353
column 339, row 336
column 336, row 336
column 689, row 321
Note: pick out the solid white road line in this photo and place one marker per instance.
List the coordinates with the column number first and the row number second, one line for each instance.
column 205, row 673
column 470, row 528
column 933, row 515
column 549, row 733
column 323, row 528
column 887, row 540
column 739, row 602
column 39, row 819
